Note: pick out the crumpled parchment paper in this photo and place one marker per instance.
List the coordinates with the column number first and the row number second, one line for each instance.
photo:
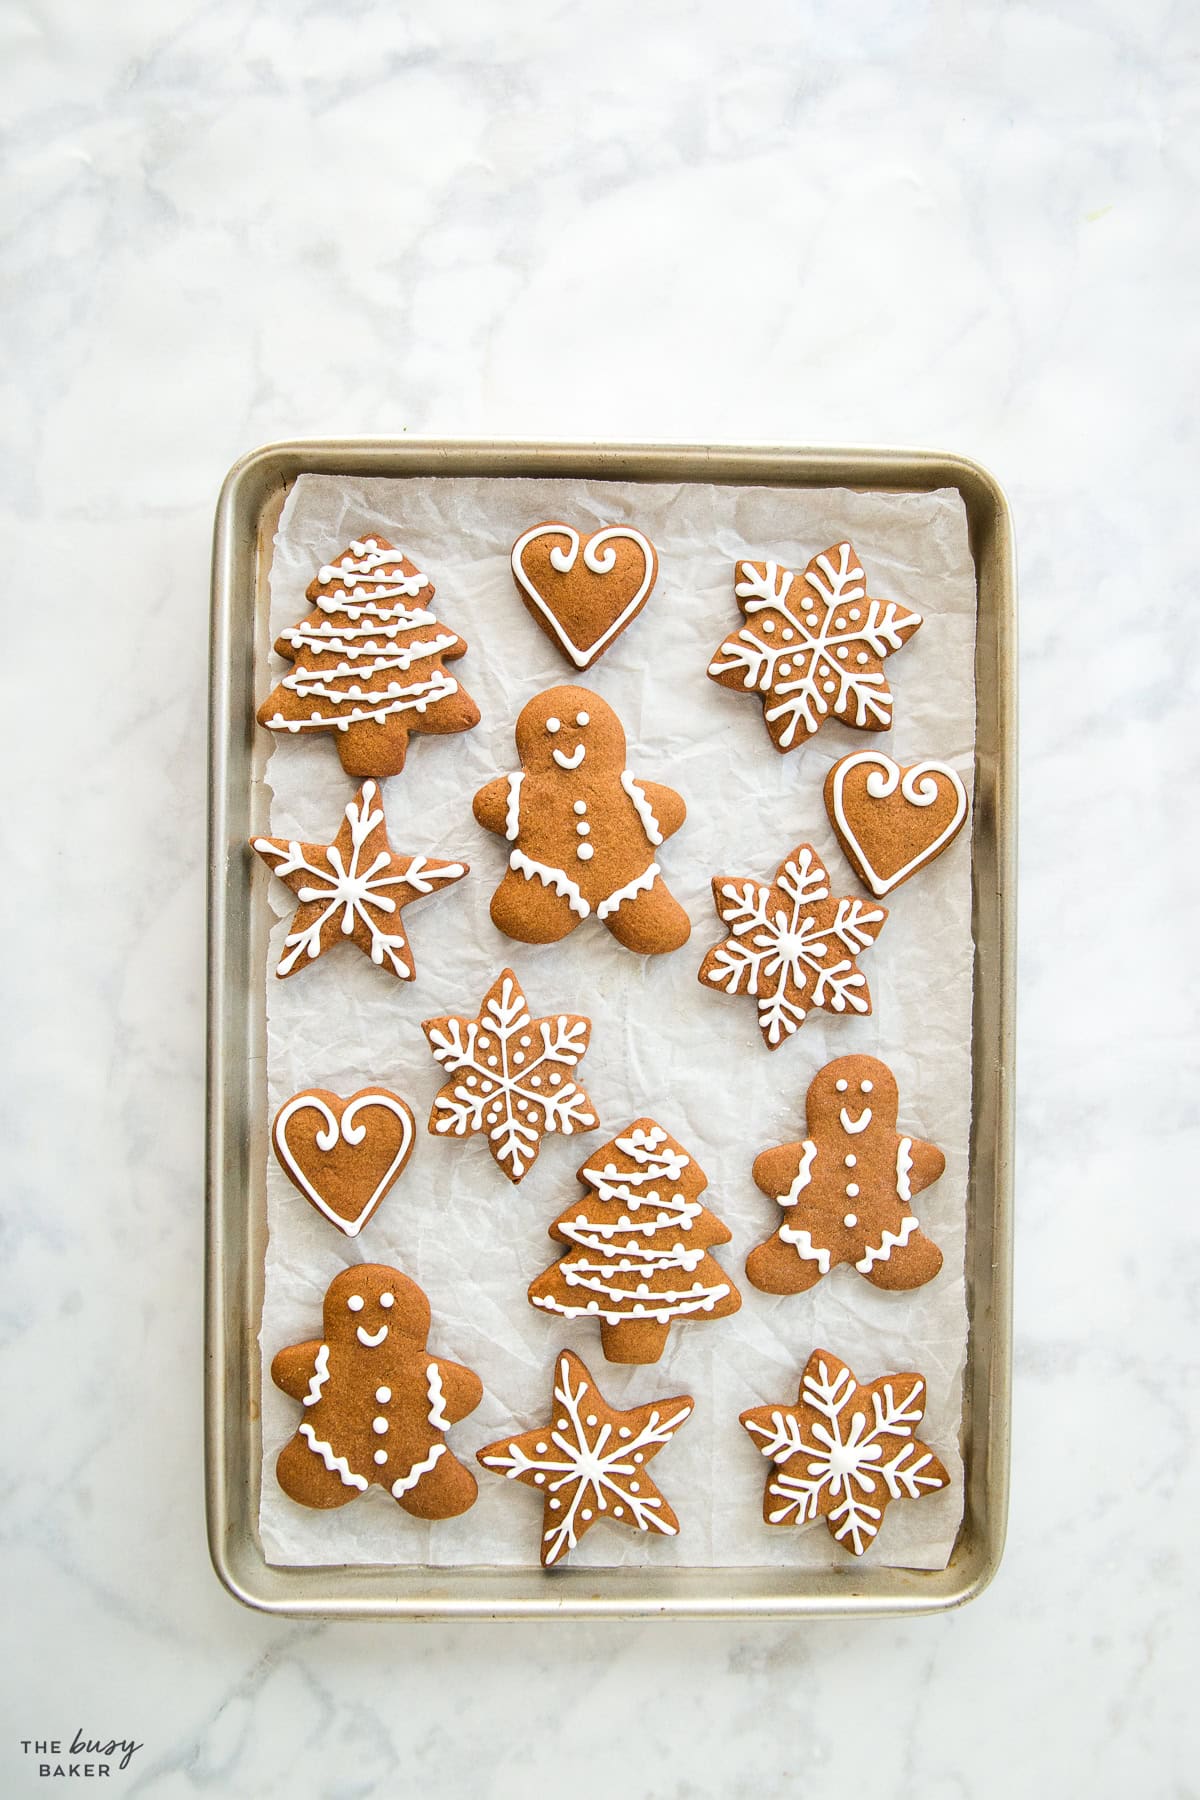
column 661, row 1044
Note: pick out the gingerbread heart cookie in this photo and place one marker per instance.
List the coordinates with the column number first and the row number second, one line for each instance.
column 343, row 1155
column 583, row 592
column 891, row 820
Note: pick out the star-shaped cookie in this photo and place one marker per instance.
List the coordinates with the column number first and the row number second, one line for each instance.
column 589, row 1460
column 510, row 1075
column 813, row 646
column 844, row 1450
column 353, row 888
column 791, row 944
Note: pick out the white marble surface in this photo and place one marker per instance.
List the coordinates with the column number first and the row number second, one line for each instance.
column 965, row 227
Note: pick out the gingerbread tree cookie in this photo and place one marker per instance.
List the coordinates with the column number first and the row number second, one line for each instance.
column 791, row 946
column 846, row 1188
column 510, row 1076
column 813, row 646
column 638, row 1258
column 353, row 888
column 369, row 661
column 584, row 833
column 377, row 1405
column 844, row 1451
column 589, row 1460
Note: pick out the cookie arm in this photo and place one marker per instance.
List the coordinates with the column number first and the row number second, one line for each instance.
column 292, row 1368
column 927, row 1163
column 461, row 1388
column 667, row 806
column 490, row 805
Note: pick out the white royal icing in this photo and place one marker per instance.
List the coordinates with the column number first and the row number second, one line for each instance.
column 891, row 1240
column 371, row 1339
column 854, row 1126
column 801, row 1239
column 558, row 879
column 919, row 787
column 601, row 559
column 904, row 1163
column 437, row 1398
column 630, row 891
column 350, row 1133
column 335, row 1464
column 571, row 761
column 645, row 811
column 803, row 1175
column 408, row 1482
column 512, row 812
column 319, row 1377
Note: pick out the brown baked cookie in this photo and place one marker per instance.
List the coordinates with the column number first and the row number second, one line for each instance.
column 353, row 888
column 510, row 1076
column 813, row 646
column 583, row 832
column 791, row 945
column 844, row 1451
column 846, row 1188
column 369, row 661
column 638, row 1260
column 343, row 1155
column 377, row 1405
column 583, row 592
column 891, row 820
column 589, row 1460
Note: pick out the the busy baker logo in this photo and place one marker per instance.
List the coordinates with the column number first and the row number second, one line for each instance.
column 80, row 1758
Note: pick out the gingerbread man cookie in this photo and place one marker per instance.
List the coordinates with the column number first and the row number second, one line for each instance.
column 584, row 833
column 846, row 1188
column 377, row 1405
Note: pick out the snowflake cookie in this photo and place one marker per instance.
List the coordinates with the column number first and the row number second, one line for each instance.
column 377, row 1405
column 584, row 833
column 589, row 1460
column 846, row 1188
column 791, row 945
column 813, row 646
column 353, row 888
column 510, row 1075
column 844, row 1451
column 638, row 1242
column 369, row 661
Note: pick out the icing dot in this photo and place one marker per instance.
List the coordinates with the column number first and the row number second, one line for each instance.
column 580, row 806
column 850, row 1219
column 866, row 1086
column 493, row 1062
column 586, row 1513
column 560, row 1424
column 624, row 1431
column 381, row 1456
column 854, row 613
column 356, row 1303
column 592, row 1419
column 554, row 1505
column 518, row 1057
column 635, row 1487
column 618, row 1512
column 541, row 1449
column 583, row 828
column 539, row 1478
column 379, row 1425
column 788, row 634
column 827, row 687
column 785, row 668
column 842, row 652
column 840, row 624
column 850, row 1161
column 852, row 1188
column 472, row 1081
column 584, row 853
column 811, row 619
column 553, row 725
column 387, row 1299
column 535, row 1081
column 768, row 626
column 583, row 718
column 555, row 1078
column 638, row 1456
column 841, row 1087
column 383, row 1395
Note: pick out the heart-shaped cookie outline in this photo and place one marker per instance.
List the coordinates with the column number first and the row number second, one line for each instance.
column 914, row 787
column 564, row 562
column 342, row 1129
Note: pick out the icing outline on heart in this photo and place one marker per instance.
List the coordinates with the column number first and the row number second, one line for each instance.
column 600, row 562
column 917, row 788
column 346, row 1130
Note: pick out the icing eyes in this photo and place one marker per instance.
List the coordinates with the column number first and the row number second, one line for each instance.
column 356, row 1303
column 583, row 718
column 387, row 1299
column 841, row 1087
column 866, row 1086
column 553, row 725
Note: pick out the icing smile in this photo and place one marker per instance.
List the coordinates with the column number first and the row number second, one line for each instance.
column 854, row 1126
column 570, row 762
column 372, row 1339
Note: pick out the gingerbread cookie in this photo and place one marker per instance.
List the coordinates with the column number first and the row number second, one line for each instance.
column 343, row 1155
column 844, row 1451
column 353, row 888
column 589, row 1460
column 583, row 592
column 813, row 646
column 583, row 832
column 377, row 1405
column 891, row 820
column 510, row 1076
column 791, row 946
column 369, row 661
column 846, row 1188
column 638, row 1259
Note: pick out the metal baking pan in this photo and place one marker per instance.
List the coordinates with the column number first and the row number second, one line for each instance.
column 247, row 513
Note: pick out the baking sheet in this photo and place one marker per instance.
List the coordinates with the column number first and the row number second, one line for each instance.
column 661, row 1043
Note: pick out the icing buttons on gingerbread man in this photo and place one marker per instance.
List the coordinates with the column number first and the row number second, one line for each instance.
column 377, row 1405
column 846, row 1188
column 583, row 833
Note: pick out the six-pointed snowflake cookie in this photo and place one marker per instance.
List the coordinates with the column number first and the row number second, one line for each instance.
column 589, row 1460
column 510, row 1076
column 791, row 944
column 845, row 1190
column 377, row 1405
column 813, row 645
column 844, row 1451
column 353, row 888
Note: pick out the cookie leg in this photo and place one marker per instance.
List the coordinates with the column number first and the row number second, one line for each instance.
column 304, row 1478
column 531, row 912
column 908, row 1265
column 447, row 1490
column 651, row 922
column 777, row 1267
